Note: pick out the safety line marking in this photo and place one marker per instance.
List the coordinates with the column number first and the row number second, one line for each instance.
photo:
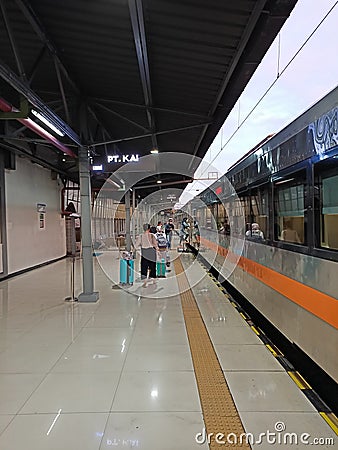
column 255, row 330
column 219, row 411
column 299, row 380
column 331, row 420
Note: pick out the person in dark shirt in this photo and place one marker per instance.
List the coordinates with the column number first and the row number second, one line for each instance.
column 169, row 228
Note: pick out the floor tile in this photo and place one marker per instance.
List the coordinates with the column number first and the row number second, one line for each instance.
column 73, row 392
column 104, row 336
column 153, row 431
column 164, row 357
column 9, row 337
column 306, row 426
column 246, row 357
column 111, row 321
column 270, row 391
column 157, row 391
column 15, row 390
column 5, row 419
column 175, row 334
column 223, row 317
column 25, row 358
column 69, row 432
column 233, row 335
column 93, row 358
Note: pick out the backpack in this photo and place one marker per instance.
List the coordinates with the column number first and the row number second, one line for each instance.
column 161, row 241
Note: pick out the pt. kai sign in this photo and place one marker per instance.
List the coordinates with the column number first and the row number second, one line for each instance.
column 111, row 162
column 122, row 158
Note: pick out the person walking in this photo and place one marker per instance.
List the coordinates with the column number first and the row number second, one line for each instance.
column 169, row 228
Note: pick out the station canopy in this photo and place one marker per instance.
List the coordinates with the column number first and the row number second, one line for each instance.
column 124, row 77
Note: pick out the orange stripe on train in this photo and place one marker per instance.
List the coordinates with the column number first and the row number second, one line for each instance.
column 321, row 305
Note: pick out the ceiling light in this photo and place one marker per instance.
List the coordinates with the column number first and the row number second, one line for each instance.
column 46, row 122
column 113, row 183
column 159, row 182
column 154, row 151
column 285, row 181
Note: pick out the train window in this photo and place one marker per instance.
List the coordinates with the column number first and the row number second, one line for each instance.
column 326, row 198
column 255, row 207
column 289, row 208
column 259, row 209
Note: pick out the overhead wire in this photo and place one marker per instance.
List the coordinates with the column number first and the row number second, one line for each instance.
column 279, row 74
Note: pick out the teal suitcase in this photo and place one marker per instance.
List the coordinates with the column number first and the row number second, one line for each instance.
column 126, row 271
column 160, row 268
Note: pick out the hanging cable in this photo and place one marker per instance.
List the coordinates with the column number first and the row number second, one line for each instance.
column 273, row 83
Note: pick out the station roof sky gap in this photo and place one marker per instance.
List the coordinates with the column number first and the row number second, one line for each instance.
column 128, row 76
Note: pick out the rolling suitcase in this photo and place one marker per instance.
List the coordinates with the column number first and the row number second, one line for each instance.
column 167, row 263
column 126, row 271
column 160, row 268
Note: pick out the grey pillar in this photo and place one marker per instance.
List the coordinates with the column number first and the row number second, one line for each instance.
column 127, row 204
column 134, row 216
column 88, row 294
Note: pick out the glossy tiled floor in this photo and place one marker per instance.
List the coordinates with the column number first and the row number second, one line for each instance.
column 118, row 374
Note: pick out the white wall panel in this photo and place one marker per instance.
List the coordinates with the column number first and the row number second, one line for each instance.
column 27, row 244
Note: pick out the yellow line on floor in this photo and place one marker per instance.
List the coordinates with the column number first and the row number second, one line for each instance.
column 332, row 420
column 219, row 411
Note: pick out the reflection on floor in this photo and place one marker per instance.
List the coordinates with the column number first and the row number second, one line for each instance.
column 118, row 373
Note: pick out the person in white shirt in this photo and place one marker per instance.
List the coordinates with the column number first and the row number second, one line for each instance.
column 255, row 232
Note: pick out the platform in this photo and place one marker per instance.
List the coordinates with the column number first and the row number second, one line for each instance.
column 120, row 373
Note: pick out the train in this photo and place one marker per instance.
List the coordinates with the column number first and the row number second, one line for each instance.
column 287, row 186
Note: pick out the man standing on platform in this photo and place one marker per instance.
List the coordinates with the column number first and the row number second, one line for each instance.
column 169, row 228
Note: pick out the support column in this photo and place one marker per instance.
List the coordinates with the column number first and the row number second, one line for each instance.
column 88, row 294
column 134, row 216
column 127, row 206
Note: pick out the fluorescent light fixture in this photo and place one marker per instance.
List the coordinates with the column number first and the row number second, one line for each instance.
column 97, row 167
column 46, row 122
column 113, row 183
column 285, row 181
column 158, row 181
column 154, row 151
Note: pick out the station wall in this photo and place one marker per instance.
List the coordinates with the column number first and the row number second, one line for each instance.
column 32, row 238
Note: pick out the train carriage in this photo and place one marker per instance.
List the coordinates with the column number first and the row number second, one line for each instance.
column 288, row 185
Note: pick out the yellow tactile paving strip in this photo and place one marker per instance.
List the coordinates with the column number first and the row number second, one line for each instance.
column 219, row 411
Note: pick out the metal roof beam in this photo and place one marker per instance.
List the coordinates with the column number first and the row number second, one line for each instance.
column 137, row 22
column 12, row 40
column 35, row 23
column 157, row 133
column 120, row 116
column 255, row 15
column 63, row 95
column 36, row 64
column 152, row 108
